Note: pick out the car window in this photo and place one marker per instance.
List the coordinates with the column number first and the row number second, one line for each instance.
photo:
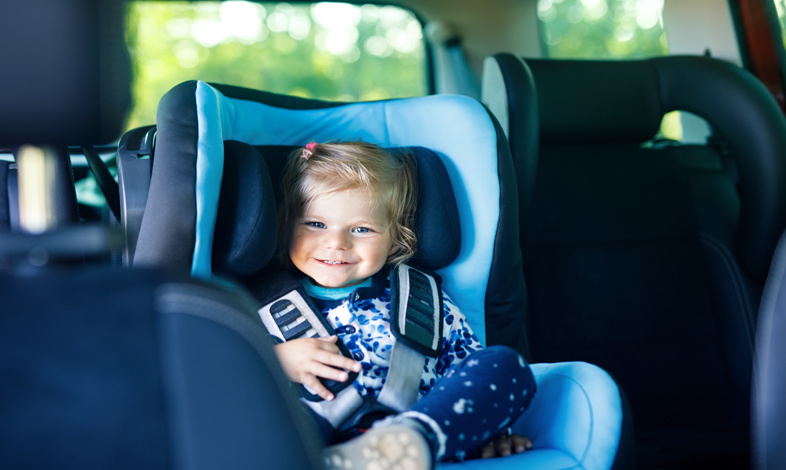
column 602, row 29
column 780, row 9
column 332, row 51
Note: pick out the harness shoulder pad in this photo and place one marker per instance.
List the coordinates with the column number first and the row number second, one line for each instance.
column 288, row 313
column 416, row 309
column 292, row 316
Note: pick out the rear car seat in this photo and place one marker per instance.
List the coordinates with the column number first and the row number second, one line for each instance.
column 648, row 258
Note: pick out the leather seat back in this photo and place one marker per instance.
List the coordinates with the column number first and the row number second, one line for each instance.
column 648, row 257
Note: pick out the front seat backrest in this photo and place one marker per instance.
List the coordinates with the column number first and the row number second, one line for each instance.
column 119, row 368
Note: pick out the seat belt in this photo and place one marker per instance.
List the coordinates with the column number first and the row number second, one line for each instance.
column 134, row 163
column 416, row 321
column 107, row 184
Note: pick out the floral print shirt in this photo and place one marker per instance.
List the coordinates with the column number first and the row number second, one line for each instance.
column 362, row 321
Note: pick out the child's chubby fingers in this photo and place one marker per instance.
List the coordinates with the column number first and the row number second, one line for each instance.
column 332, row 357
column 316, row 387
column 305, row 359
column 326, row 372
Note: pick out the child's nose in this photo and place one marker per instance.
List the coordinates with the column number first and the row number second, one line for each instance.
column 337, row 240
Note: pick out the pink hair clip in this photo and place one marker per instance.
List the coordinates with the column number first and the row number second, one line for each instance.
column 308, row 150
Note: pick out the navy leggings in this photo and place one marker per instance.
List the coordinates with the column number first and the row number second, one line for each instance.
column 472, row 403
column 478, row 399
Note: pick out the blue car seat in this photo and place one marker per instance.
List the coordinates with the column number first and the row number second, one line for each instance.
column 209, row 213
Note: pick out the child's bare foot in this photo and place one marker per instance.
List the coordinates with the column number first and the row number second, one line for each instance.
column 506, row 444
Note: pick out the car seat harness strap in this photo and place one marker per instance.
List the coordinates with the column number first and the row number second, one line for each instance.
column 416, row 318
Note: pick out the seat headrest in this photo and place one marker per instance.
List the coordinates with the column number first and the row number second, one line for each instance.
column 245, row 234
column 66, row 73
column 437, row 223
column 597, row 102
column 623, row 102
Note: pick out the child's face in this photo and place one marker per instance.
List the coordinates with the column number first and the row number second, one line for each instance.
column 341, row 240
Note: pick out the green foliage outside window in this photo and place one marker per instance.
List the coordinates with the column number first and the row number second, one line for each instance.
column 780, row 8
column 329, row 51
column 602, row 29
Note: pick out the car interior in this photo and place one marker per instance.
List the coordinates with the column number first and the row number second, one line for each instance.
column 616, row 219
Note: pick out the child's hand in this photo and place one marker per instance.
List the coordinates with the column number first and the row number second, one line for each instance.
column 506, row 445
column 306, row 359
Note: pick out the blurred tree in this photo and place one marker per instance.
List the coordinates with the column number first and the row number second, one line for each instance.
column 328, row 51
column 343, row 52
column 607, row 29
column 602, row 29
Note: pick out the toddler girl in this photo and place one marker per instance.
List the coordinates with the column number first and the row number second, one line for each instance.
column 346, row 220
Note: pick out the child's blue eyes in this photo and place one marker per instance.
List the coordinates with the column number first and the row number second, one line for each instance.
column 321, row 225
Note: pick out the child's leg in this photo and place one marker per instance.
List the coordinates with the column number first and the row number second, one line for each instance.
column 477, row 399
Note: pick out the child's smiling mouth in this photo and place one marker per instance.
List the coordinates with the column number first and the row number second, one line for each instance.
column 331, row 262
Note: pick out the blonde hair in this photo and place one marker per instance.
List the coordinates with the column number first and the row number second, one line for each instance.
column 389, row 178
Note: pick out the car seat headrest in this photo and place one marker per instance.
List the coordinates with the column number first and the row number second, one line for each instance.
column 67, row 80
column 246, row 230
column 596, row 102
column 437, row 223
column 245, row 235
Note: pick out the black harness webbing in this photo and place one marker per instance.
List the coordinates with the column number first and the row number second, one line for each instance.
column 416, row 322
